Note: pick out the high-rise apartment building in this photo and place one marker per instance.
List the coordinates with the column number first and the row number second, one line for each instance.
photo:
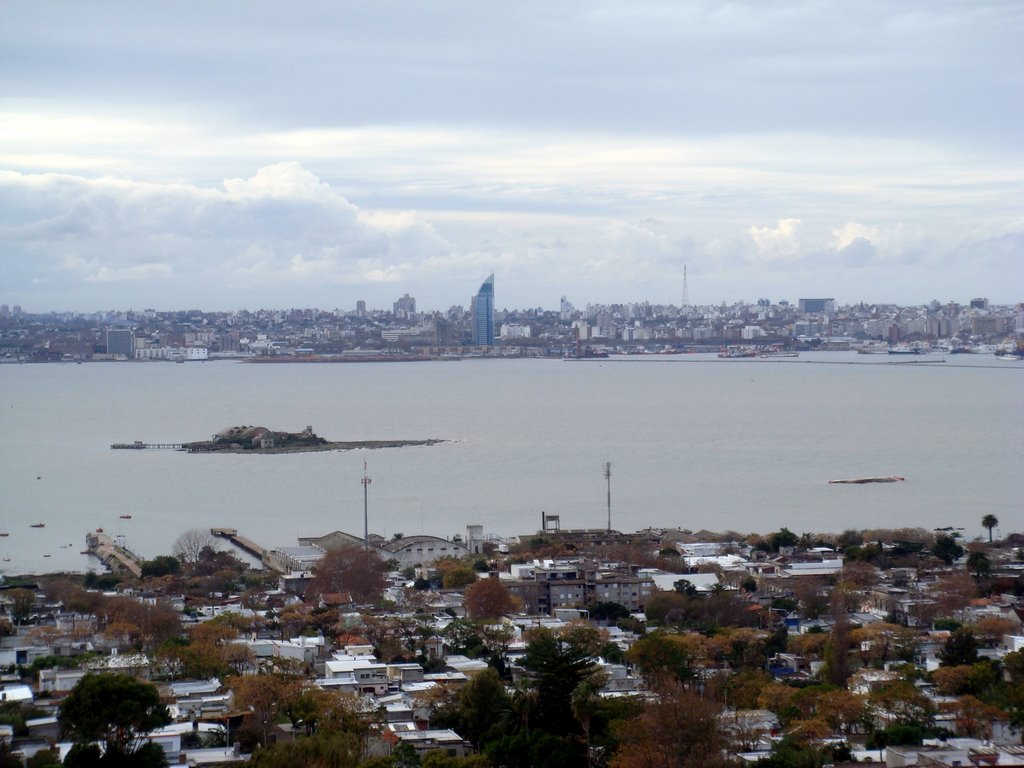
column 405, row 307
column 482, row 311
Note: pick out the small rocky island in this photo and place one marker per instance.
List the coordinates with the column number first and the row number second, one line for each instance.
column 248, row 439
column 263, row 440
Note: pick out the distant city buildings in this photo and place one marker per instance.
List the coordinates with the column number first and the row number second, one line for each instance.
column 482, row 311
column 975, row 325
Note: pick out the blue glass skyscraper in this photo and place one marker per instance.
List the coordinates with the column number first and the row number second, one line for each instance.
column 482, row 309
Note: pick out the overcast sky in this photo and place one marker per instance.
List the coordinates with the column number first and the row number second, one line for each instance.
column 265, row 154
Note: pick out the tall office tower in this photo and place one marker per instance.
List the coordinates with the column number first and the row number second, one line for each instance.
column 482, row 310
column 121, row 341
column 686, row 291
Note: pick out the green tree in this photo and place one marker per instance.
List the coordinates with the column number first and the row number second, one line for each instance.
column 990, row 522
column 404, row 756
column 483, row 702
column 115, row 709
column 978, row 564
column 324, row 750
column 558, row 662
column 163, row 565
column 961, row 648
column 44, row 758
column 782, row 538
column 438, row 759
column 609, row 612
column 946, row 549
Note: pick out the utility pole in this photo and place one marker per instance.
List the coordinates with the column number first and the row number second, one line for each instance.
column 608, row 477
column 366, row 516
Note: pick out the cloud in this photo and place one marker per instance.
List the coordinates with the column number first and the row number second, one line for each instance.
column 282, row 235
column 281, row 226
column 858, row 252
column 129, row 274
column 780, row 241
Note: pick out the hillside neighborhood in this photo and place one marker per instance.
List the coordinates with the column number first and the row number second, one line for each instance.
column 564, row 648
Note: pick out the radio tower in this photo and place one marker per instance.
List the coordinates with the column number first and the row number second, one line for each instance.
column 608, row 477
column 366, row 517
column 686, row 291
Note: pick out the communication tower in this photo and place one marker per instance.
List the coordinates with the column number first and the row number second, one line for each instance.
column 608, row 478
column 366, row 516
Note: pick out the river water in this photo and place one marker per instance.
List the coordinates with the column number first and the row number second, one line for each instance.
column 694, row 442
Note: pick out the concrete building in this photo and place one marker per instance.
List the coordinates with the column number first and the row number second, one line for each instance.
column 405, row 307
column 422, row 550
column 819, row 306
column 552, row 586
column 121, row 341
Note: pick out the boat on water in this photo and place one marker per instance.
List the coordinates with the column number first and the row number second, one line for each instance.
column 779, row 353
column 733, row 353
column 126, row 517
column 904, row 349
column 864, row 480
column 38, row 525
column 4, row 534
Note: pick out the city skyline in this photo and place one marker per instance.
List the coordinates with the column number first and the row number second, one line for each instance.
column 183, row 156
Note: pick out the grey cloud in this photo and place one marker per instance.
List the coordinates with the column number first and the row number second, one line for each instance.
column 859, row 253
column 915, row 68
column 278, row 228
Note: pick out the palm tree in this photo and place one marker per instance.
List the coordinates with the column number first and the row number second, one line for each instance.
column 584, row 703
column 990, row 522
column 524, row 702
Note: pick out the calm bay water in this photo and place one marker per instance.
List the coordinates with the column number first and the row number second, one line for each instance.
column 694, row 442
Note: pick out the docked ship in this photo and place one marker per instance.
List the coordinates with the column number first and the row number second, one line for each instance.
column 864, row 480
column 778, row 352
column 733, row 353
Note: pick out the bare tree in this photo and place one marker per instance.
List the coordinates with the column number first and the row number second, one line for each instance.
column 349, row 569
column 191, row 544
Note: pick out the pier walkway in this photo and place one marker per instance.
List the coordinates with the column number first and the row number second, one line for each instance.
column 138, row 445
column 266, row 557
column 111, row 554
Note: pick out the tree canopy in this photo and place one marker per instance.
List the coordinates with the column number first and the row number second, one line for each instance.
column 115, row 709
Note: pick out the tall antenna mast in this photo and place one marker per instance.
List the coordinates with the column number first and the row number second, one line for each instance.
column 686, row 291
column 608, row 477
column 366, row 516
